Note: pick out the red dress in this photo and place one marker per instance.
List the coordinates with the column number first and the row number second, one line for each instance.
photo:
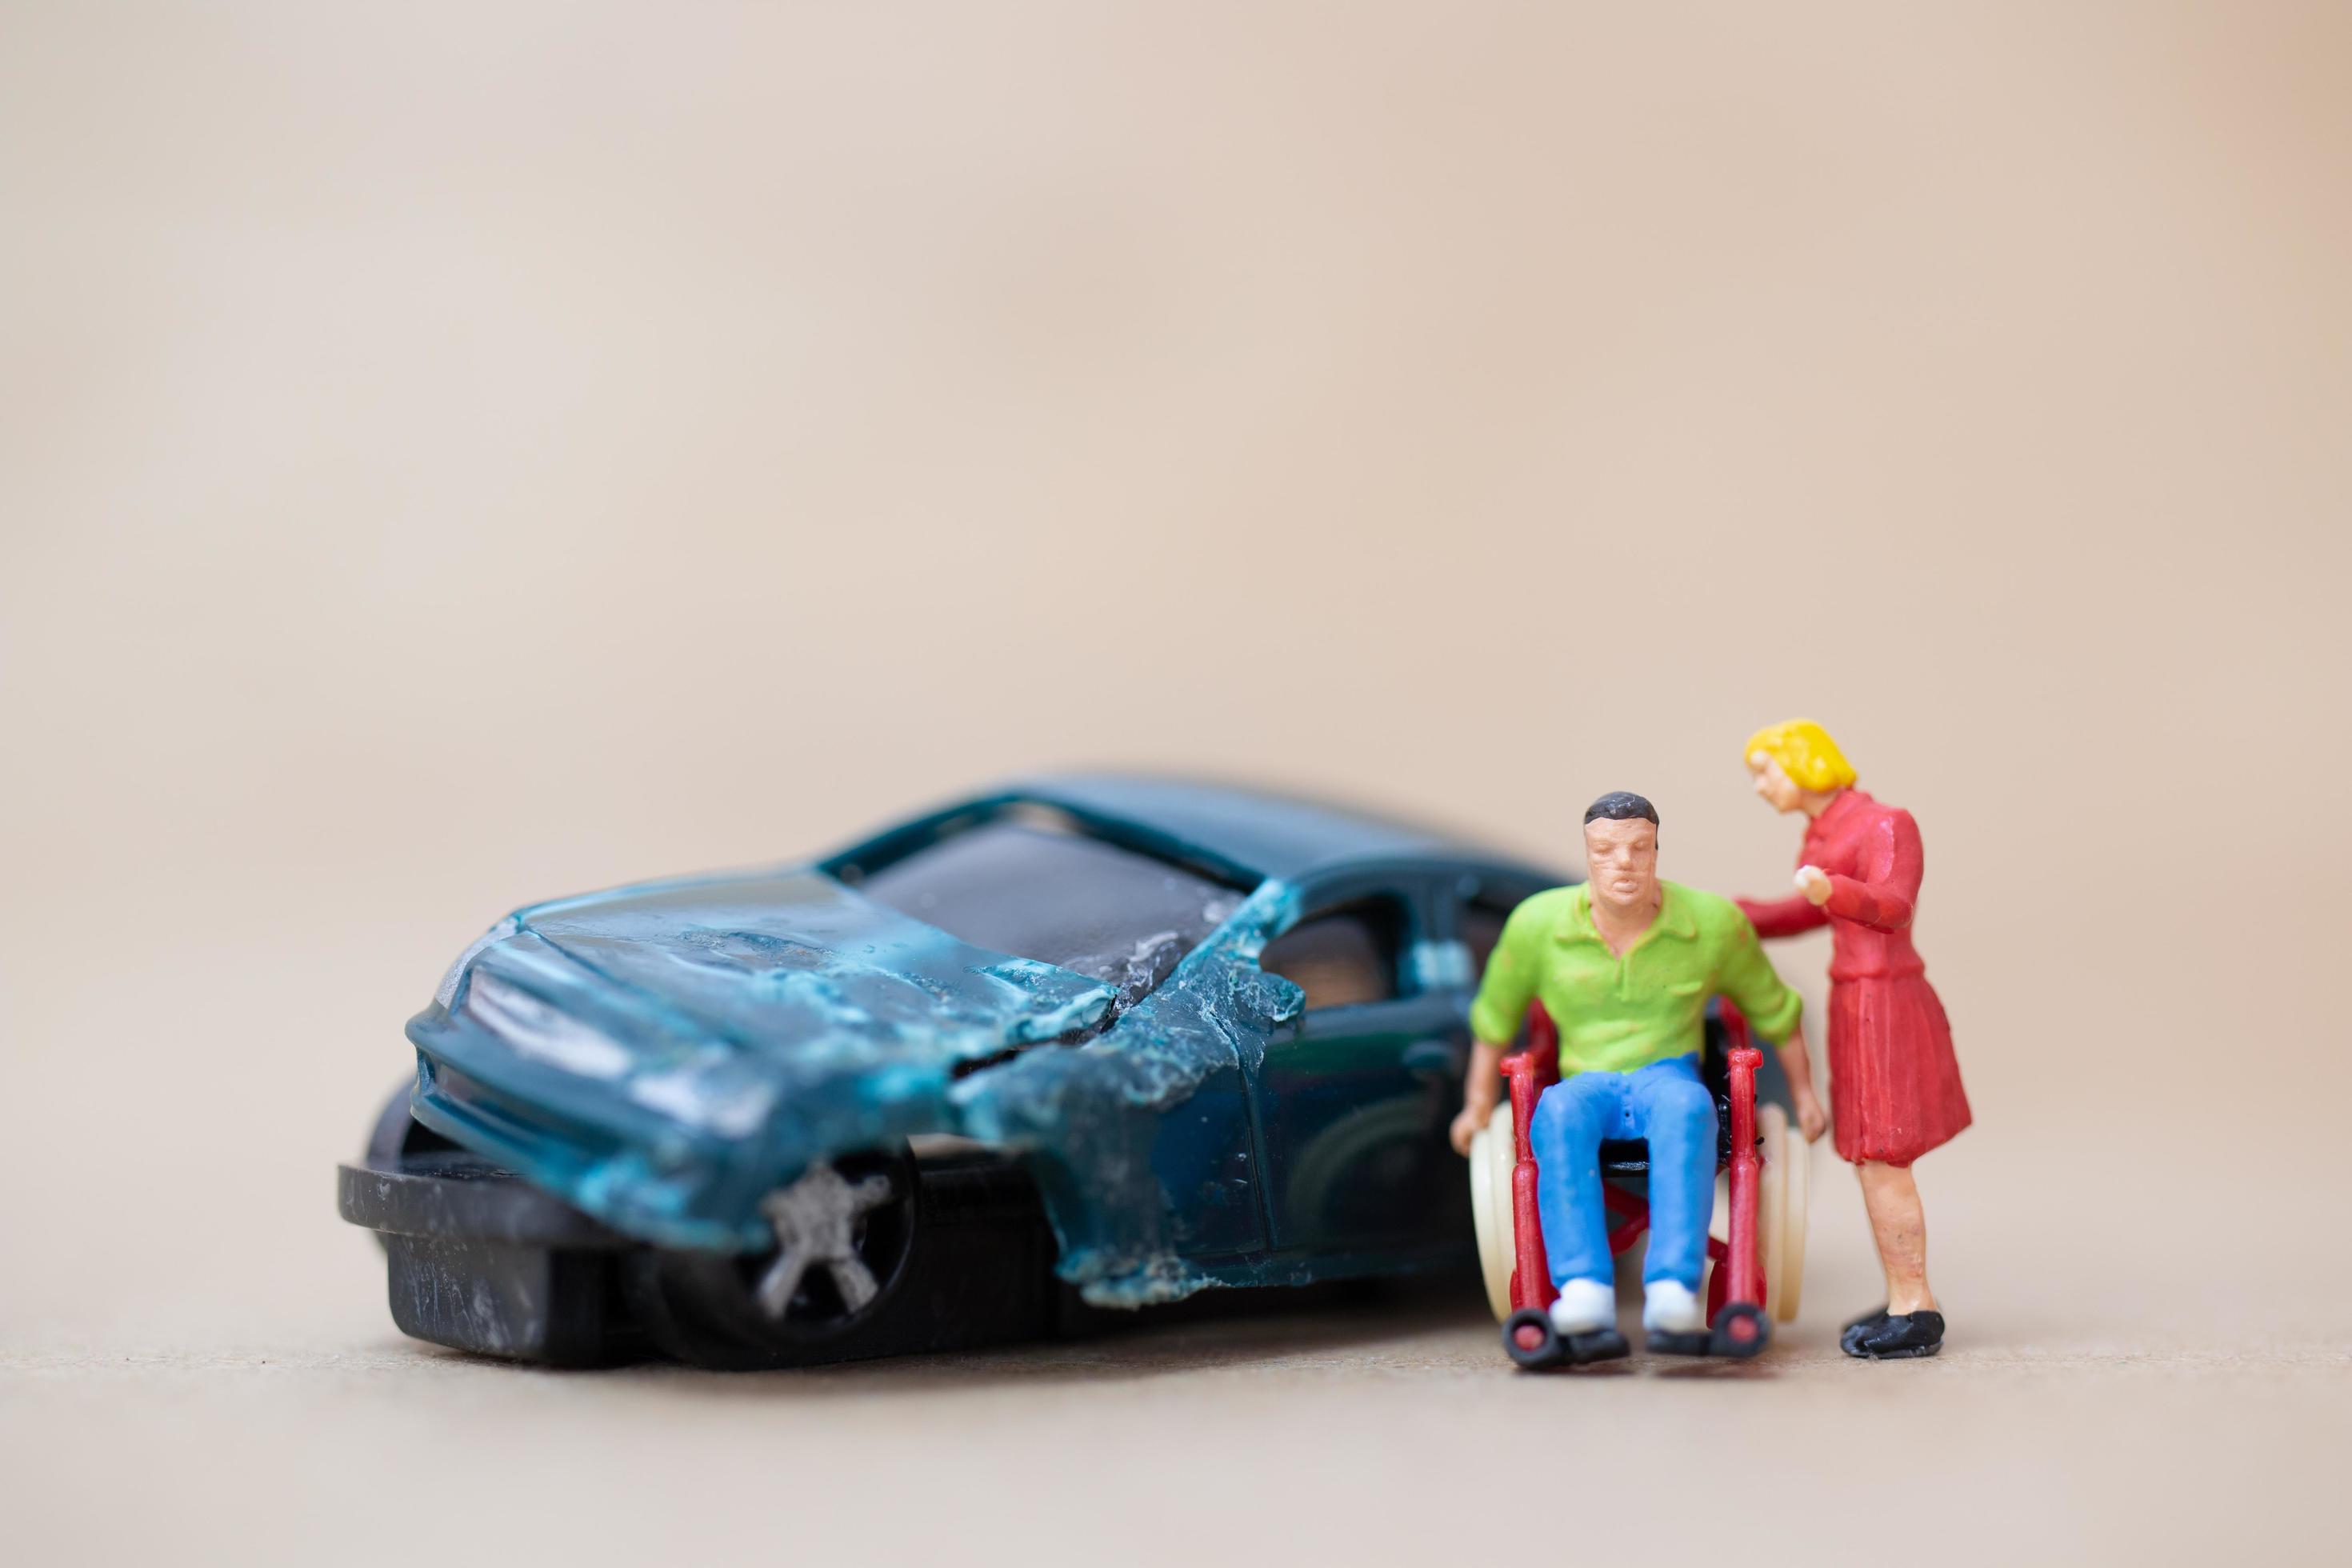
column 1895, row 1088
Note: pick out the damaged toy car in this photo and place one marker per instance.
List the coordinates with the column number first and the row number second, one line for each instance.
column 1111, row 1039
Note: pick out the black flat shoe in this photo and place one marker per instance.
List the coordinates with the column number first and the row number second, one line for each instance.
column 1853, row 1330
column 1895, row 1338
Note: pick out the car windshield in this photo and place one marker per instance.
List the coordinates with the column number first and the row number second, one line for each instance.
column 1036, row 888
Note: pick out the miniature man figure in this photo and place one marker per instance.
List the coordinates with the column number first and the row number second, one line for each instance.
column 1893, row 1084
column 1625, row 964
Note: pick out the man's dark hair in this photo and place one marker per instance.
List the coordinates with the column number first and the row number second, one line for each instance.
column 1618, row 805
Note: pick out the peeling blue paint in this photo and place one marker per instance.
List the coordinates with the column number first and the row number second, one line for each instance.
column 1093, row 1117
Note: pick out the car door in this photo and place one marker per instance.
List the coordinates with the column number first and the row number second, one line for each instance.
column 1352, row 1099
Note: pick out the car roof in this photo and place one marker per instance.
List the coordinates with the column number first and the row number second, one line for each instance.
column 1252, row 832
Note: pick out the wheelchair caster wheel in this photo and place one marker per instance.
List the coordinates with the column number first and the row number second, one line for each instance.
column 1741, row 1330
column 1530, row 1340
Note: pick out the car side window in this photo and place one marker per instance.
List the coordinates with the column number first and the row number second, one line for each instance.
column 1481, row 927
column 1341, row 957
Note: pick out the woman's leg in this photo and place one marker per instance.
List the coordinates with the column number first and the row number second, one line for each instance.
column 1900, row 1228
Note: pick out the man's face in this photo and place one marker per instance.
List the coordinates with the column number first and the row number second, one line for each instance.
column 1621, row 858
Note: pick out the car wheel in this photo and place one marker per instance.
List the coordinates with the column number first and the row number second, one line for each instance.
column 847, row 1232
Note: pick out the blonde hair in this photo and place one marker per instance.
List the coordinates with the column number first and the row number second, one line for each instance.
column 1805, row 753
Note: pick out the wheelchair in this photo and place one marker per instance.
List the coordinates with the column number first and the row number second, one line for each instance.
column 1756, row 1245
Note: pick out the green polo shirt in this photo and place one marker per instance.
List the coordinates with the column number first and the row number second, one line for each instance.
column 1619, row 1014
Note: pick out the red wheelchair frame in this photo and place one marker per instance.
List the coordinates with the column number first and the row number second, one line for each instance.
column 1735, row 1295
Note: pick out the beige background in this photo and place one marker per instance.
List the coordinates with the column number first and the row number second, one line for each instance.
column 452, row 454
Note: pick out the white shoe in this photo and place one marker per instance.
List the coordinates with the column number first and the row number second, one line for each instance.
column 1668, row 1308
column 1584, row 1307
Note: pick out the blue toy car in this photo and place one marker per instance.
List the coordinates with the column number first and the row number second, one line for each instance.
column 1080, row 1042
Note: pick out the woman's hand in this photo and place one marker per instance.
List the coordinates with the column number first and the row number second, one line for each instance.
column 1814, row 883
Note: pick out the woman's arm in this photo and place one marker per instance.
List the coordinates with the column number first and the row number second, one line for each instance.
column 1893, row 862
column 1791, row 916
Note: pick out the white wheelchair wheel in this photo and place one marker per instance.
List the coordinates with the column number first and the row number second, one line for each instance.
column 1781, row 1220
column 1771, row 1199
column 1493, row 1154
column 1797, row 1206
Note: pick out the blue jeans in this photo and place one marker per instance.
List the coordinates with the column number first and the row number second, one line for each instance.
column 1663, row 1102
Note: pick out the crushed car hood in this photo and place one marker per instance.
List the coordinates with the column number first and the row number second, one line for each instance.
column 661, row 1054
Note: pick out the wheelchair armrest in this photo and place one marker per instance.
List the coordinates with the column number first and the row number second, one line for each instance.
column 1530, row 1071
column 1536, row 1063
column 1741, row 1062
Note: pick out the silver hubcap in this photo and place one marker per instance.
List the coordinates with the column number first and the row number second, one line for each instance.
column 815, row 1221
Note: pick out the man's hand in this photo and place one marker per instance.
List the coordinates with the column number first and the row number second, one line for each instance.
column 1481, row 1088
column 1469, row 1124
column 1811, row 1119
column 1814, row 883
column 1797, row 1063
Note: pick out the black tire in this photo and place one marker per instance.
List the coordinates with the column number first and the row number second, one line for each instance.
column 962, row 1253
column 703, row 1307
column 1530, row 1340
column 1741, row 1330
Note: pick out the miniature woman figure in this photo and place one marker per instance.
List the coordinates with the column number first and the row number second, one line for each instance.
column 1895, row 1088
